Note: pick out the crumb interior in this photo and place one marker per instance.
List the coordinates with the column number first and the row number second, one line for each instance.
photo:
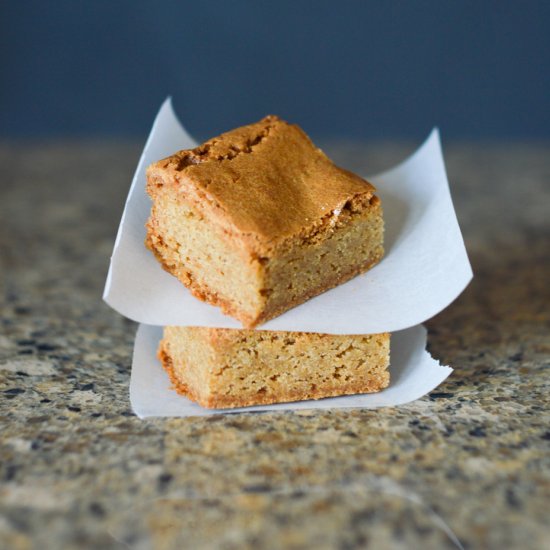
column 349, row 243
column 255, row 288
column 214, row 269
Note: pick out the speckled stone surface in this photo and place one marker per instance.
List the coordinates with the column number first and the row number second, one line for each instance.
column 79, row 470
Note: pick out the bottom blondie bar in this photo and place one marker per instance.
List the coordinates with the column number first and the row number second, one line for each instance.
column 225, row 368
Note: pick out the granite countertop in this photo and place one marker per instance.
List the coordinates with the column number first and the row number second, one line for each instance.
column 79, row 470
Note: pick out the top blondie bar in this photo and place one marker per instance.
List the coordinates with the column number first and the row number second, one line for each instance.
column 259, row 220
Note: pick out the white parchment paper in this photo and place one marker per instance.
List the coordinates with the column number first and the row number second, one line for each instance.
column 413, row 373
column 425, row 267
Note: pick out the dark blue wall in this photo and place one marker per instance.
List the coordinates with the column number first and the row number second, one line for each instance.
column 352, row 69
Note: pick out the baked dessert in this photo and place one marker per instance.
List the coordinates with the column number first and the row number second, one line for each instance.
column 224, row 368
column 259, row 220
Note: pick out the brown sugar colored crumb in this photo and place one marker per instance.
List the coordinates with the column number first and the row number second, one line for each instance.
column 259, row 220
column 225, row 368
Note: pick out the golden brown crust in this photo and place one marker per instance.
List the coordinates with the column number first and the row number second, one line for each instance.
column 262, row 184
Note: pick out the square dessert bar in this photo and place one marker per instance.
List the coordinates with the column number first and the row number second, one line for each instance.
column 224, row 368
column 259, row 220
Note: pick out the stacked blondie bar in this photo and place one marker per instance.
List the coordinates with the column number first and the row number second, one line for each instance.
column 256, row 221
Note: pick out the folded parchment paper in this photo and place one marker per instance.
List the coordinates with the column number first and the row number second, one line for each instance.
column 425, row 267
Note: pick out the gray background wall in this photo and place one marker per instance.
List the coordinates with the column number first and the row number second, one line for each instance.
column 352, row 69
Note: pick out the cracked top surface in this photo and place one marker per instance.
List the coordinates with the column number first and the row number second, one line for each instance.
column 263, row 183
